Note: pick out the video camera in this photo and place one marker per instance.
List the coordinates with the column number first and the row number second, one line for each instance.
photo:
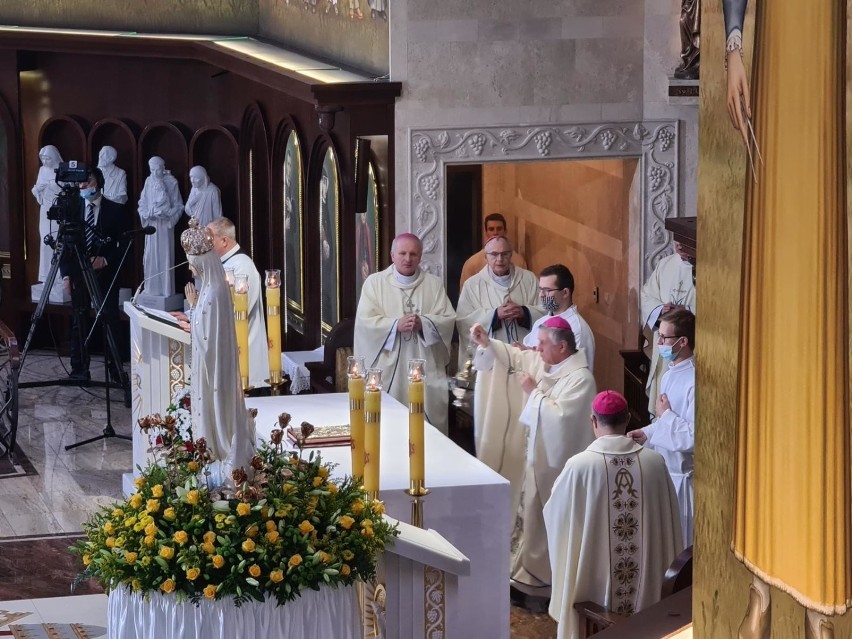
column 68, row 207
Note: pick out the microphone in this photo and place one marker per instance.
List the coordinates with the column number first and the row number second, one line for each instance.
column 151, row 277
column 145, row 230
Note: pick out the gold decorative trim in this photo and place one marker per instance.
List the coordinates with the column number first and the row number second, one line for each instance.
column 434, row 602
column 176, row 362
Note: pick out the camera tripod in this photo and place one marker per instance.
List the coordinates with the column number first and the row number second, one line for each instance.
column 71, row 240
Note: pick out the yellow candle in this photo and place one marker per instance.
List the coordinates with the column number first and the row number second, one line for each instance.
column 273, row 324
column 356, row 423
column 372, row 432
column 416, row 422
column 241, row 321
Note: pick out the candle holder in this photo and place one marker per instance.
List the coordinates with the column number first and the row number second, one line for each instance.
column 417, row 518
column 276, row 386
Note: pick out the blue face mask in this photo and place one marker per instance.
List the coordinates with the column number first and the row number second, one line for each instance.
column 89, row 193
column 667, row 352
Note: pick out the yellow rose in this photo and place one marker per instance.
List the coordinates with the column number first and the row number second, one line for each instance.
column 348, row 555
column 219, row 518
column 357, row 507
column 367, row 523
column 332, row 488
column 323, row 472
column 153, row 505
column 192, row 466
column 157, row 490
column 270, row 525
column 378, row 507
column 130, row 557
column 317, row 482
column 119, row 542
column 324, row 556
column 146, row 560
column 150, row 540
column 345, row 570
column 181, row 537
column 295, row 560
column 218, row 561
column 209, row 537
column 346, row 521
column 109, row 542
column 167, row 552
column 170, row 514
column 367, row 531
column 243, row 509
column 248, row 545
column 289, row 488
column 136, row 585
column 252, row 531
column 118, row 512
column 254, row 570
column 276, row 576
column 129, row 522
column 136, row 500
column 306, row 527
column 168, row 585
column 108, row 528
column 192, row 497
column 87, row 559
column 139, row 482
column 151, row 529
column 210, row 591
column 208, row 548
column 272, row 536
column 192, row 574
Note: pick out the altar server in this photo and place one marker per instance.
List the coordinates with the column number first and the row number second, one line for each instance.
column 672, row 433
column 559, row 389
column 404, row 314
column 612, row 522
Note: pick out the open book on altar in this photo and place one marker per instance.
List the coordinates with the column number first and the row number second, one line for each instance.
column 157, row 314
column 323, row 436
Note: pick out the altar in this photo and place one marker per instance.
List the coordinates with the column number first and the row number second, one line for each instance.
column 469, row 504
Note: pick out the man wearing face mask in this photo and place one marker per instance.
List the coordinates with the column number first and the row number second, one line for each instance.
column 556, row 292
column 672, row 433
column 102, row 219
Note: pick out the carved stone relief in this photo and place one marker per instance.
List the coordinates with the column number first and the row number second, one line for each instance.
column 655, row 143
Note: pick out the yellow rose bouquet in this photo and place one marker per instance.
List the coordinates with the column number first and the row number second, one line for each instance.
column 283, row 526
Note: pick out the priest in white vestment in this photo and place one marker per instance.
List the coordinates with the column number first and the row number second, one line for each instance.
column 404, row 314
column 219, row 413
column 232, row 255
column 612, row 522
column 559, row 389
column 672, row 433
column 501, row 297
column 556, row 291
column 205, row 200
column 670, row 286
column 160, row 206
column 115, row 178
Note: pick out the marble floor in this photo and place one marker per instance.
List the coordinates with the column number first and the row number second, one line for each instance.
column 40, row 513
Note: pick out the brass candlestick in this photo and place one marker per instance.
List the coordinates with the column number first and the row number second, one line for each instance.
column 276, row 382
column 417, row 518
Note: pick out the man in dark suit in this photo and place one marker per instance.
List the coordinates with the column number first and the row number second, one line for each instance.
column 104, row 226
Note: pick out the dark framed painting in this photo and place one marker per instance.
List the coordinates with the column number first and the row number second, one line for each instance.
column 329, row 213
column 294, row 284
column 367, row 236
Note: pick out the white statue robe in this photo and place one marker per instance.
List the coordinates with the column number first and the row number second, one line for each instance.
column 115, row 184
column 205, row 203
column 160, row 206
column 384, row 300
column 670, row 283
column 258, row 346
column 45, row 191
column 556, row 417
column 583, row 336
column 218, row 409
column 612, row 529
column 673, row 436
column 480, row 297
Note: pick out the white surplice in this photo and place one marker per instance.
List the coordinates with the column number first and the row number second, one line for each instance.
column 480, row 297
column 555, row 419
column 385, row 300
column 258, row 345
column 583, row 336
column 673, row 436
column 670, row 283
column 612, row 529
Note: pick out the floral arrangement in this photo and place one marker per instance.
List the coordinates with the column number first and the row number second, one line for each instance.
column 285, row 525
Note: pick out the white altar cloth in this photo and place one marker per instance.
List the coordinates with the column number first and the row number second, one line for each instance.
column 469, row 504
column 293, row 365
